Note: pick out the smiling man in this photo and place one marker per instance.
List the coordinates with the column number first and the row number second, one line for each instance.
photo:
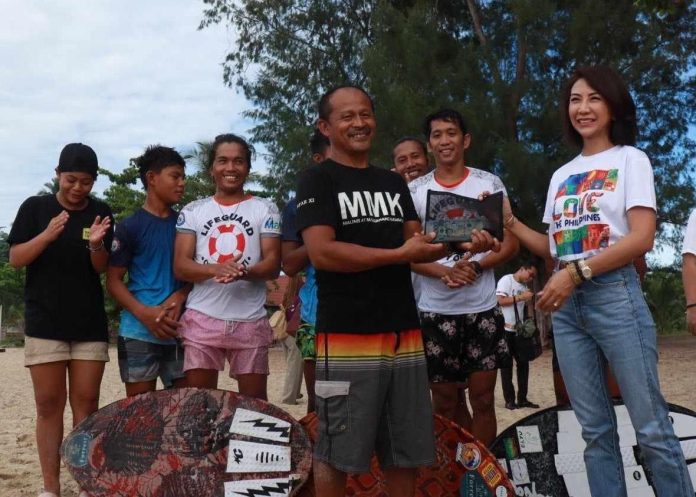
column 227, row 245
column 361, row 231
column 463, row 327
column 410, row 158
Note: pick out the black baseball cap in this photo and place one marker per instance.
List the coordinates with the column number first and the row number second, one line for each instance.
column 78, row 157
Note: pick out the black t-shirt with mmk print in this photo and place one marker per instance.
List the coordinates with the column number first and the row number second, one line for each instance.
column 366, row 207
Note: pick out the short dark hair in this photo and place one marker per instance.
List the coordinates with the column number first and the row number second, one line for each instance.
column 230, row 138
column 607, row 82
column 324, row 104
column 404, row 139
column 318, row 143
column 444, row 114
column 156, row 158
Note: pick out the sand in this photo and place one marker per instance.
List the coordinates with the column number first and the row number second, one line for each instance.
column 19, row 468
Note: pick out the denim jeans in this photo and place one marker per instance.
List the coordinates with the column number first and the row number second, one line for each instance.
column 608, row 314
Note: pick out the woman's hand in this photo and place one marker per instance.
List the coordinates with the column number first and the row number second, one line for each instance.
column 556, row 292
column 98, row 230
column 55, row 226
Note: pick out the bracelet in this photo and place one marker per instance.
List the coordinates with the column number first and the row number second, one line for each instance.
column 578, row 271
column 509, row 221
column 100, row 247
column 689, row 306
column 572, row 270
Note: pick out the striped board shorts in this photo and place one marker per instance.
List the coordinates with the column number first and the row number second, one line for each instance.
column 372, row 395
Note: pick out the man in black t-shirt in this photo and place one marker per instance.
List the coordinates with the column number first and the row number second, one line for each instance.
column 354, row 219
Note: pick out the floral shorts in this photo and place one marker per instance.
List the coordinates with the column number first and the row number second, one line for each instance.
column 305, row 340
column 458, row 345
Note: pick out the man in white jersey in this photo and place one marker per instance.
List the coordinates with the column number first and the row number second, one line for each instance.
column 463, row 327
column 689, row 272
column 227, row 245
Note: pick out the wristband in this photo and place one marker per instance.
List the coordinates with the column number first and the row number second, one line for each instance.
column 689, row 306
column 100, row 247
column 509, row 221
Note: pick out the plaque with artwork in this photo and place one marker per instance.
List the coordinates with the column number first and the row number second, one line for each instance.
column 453, row 217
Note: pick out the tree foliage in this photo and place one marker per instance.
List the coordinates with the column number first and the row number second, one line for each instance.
column 500, row 63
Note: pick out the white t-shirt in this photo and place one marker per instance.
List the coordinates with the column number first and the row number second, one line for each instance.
column 508, row 286
column 435, row 296
column 588, row 199
column 223, row 231
column 689, row 246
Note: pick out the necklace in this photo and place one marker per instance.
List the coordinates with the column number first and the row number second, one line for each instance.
column 229, row 216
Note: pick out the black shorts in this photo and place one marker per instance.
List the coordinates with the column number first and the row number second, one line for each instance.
column 458, row 345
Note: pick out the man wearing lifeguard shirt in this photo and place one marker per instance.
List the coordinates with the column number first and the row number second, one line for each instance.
column 228, row 245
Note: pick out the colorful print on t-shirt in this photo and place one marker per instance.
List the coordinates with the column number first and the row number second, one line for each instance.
column 578, row 222
column 589, row 197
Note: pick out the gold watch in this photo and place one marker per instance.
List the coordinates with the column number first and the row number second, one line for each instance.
column 585, row 270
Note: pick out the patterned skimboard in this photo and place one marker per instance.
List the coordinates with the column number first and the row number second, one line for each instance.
column 544, row 452
column 464, row 468
column 189, row 442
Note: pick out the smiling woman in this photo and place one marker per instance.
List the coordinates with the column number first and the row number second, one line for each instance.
column 601, row 214
column 64, row 242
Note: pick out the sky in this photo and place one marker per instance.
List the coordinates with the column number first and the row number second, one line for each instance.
column 116, row 75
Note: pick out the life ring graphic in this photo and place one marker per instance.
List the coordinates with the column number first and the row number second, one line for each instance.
column 226, row 242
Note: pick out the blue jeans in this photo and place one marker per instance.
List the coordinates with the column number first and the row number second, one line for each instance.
column 609, row 315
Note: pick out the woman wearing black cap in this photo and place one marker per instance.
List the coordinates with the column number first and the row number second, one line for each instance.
column 63, row 240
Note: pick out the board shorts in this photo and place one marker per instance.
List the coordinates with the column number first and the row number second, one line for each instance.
column 43, row 351
column 139, row 360
column 458, row 345
column 374, row 397
column 208, row 342
column 305, row 339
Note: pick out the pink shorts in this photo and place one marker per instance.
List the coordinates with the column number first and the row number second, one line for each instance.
column 209, row 341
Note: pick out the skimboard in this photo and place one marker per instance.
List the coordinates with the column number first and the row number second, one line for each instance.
column 543, row 453
column 189, row 442
column 464, row 468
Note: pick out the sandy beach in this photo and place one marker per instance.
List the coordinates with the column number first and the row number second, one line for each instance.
column 19, row 467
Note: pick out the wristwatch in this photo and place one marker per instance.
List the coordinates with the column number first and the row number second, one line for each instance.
column 585, row 270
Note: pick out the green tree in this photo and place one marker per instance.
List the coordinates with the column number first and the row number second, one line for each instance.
column 500, row 63
column 665, row 295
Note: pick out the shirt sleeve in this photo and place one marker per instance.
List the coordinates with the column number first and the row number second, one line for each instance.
column 410, row 213
column 186, row 222
column 689, row 246
column 288, row 230
column 24, row 227
column 550, row 200
column 640, row 184
column 121, row 247
column 315, row 204
column 503, row 288
column 271, row 221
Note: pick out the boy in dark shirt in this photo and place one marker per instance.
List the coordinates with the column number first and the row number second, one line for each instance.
column 152, row 299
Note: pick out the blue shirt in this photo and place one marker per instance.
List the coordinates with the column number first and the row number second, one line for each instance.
column 144, row 244
column 308, row 292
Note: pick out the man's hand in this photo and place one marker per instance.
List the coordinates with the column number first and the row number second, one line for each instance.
column 159, row 322
column 481, row 241
column 55, row 226
column 461, row 274
column 228, row 271
column 419, row 249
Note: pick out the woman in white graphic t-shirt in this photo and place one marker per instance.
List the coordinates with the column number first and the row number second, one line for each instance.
column 601, row 213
